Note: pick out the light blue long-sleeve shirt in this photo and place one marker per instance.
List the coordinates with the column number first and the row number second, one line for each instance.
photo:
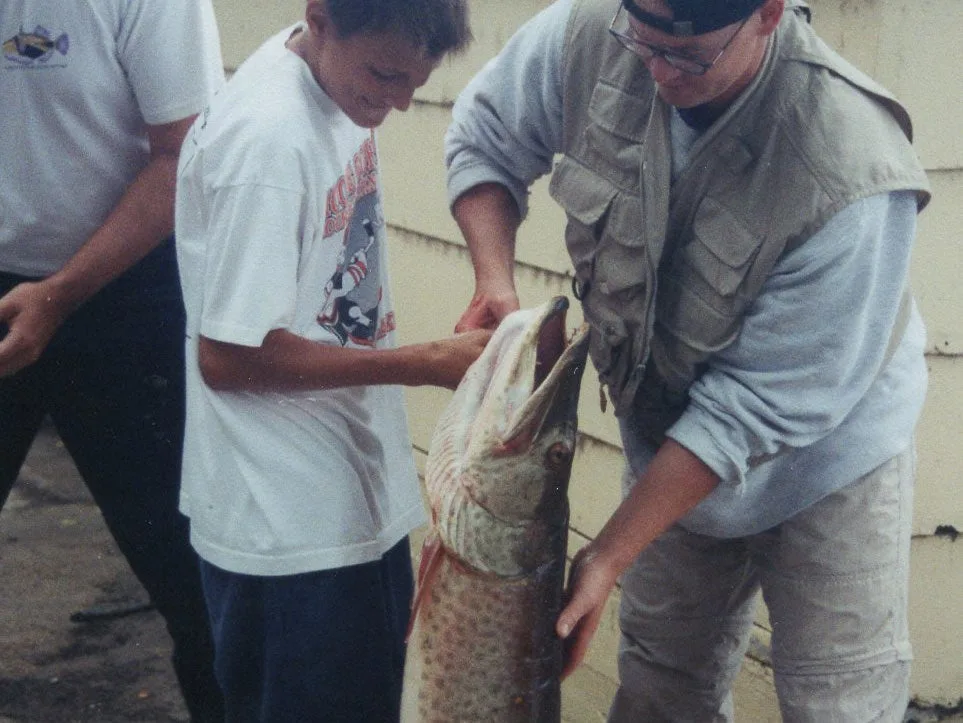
column 806, row 400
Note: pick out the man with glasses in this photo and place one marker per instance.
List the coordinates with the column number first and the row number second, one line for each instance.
column 741, row 208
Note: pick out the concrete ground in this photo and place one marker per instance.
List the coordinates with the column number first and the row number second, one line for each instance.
column 56, row 558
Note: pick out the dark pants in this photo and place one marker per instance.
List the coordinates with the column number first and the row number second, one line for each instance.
column 112, row 381
column 320, row 647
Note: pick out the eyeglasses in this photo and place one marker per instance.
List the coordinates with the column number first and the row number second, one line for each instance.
column 621, row 30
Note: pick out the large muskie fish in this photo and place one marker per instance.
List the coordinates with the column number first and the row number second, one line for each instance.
column 482, row 646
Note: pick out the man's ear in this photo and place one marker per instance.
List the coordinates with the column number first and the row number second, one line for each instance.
column 770, row 13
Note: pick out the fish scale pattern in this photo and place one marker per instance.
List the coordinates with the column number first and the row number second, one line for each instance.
column 506, row 681
column 482, row 646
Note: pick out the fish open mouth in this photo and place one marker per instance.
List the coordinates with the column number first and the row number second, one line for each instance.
column 558, row 364
column 529, row 373
column 551, row 340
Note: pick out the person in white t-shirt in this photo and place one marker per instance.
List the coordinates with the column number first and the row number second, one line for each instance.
column 98, row 96
column 298, row 475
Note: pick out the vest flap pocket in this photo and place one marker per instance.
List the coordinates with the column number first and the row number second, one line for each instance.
column 607, row 342
column 696, row 327
column 583, row 194
column 621, row 114
column 722, row 248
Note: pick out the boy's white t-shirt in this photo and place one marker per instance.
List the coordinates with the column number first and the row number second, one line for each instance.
column 79, row 81
column 280, row 226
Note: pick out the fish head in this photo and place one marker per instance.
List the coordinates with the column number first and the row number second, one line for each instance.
column 520, row 401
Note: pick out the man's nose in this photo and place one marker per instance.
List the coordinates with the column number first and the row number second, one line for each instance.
column 661, row 71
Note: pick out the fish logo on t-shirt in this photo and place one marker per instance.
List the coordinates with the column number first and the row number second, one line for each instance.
column 36, row 47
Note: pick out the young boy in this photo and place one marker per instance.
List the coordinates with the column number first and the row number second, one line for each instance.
column 298, row 475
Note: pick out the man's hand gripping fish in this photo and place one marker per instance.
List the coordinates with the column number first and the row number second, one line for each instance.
column 482, row 646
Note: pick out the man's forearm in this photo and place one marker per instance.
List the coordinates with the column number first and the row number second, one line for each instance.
column 143, row 217
column 673, row 483
column 489, row 219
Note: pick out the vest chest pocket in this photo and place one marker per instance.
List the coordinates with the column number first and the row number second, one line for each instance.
column 611, row 141
column 586, row 199
column 604, row 234
column 610, row 271
column 721, row 249
column 704, row 294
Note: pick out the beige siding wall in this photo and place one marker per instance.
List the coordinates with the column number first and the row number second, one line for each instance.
column 912, row 47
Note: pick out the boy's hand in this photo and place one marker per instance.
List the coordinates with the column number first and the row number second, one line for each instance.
column 449, row 359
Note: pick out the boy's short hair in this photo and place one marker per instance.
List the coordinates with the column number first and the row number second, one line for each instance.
column 437, row 26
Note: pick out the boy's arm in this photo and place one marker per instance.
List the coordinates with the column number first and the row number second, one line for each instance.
column 286, row 362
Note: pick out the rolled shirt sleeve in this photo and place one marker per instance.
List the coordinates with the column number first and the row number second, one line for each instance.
column 812, row 344
column 507, row 122
column 171, row 53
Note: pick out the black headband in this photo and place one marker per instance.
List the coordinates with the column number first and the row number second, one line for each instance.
column 695, row 17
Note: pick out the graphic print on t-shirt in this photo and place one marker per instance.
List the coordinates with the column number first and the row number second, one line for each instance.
column 35, row 49
column 353, row 293
column 350, row 307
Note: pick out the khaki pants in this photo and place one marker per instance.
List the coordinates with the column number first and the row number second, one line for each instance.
column 835, row 580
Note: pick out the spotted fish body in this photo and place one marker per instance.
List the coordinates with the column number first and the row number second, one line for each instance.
column 482, row 645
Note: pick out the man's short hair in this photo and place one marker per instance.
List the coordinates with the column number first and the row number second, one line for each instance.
column 437, row 26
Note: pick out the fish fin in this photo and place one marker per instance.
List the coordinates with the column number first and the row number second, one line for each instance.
column 515, row 441
column 432, row 555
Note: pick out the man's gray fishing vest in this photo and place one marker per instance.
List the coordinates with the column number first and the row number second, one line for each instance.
column 666, row 271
